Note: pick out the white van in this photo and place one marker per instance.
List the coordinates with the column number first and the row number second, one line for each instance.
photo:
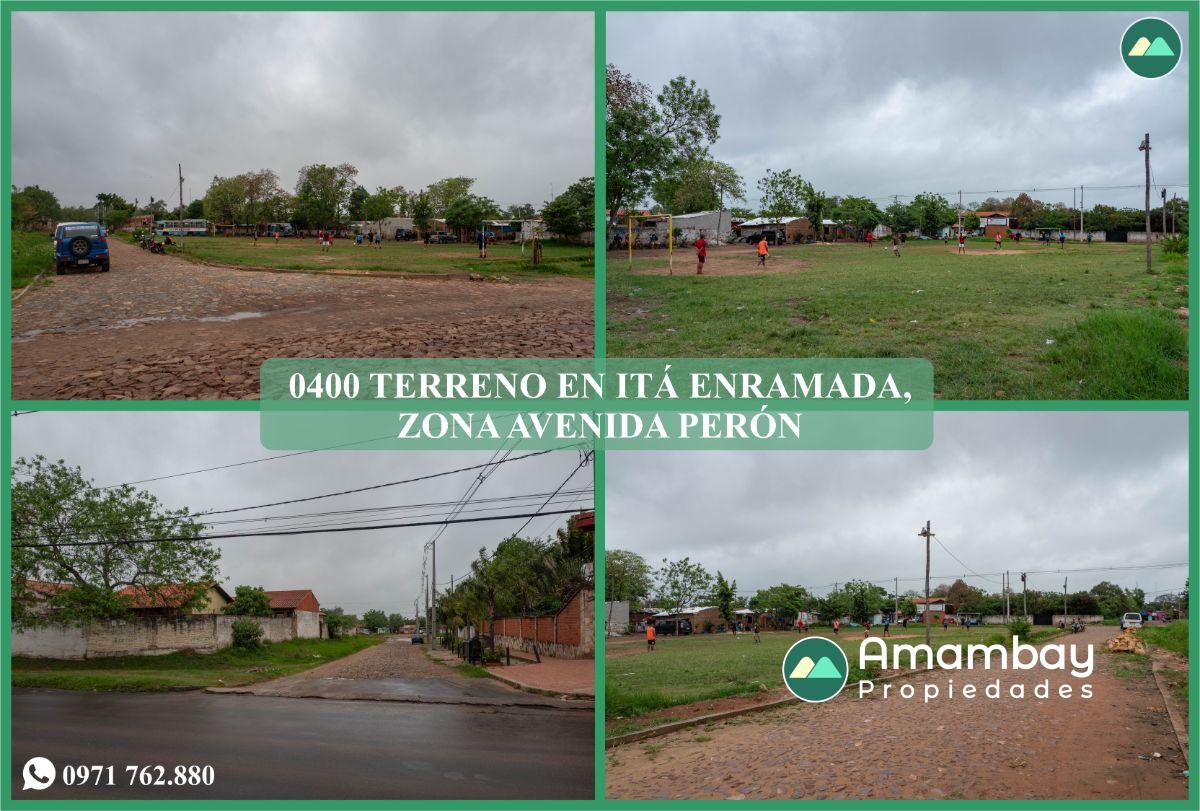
column 1131, row 619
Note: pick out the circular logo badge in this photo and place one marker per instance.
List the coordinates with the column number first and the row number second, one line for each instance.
column 1151, row 48
column 815, row 669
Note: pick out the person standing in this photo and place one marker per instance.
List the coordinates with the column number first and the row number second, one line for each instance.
column 1062, row 238
column 701, row 253
column 870, row 237
column 895, row 246
column 962, row 242
column 999, row 239
column 651, row 636
column 886, row 621
column 762, row 250
column 837, row 623
column 757, row 638
column 481, row 241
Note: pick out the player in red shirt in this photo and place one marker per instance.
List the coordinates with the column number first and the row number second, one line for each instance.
column 701, row 253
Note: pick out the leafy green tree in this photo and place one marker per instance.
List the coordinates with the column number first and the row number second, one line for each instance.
column 446, row 191
column 337, row 621
column 525, row 211
column 908, row 606
column 354, row 209
column 899, row 218
column 1112, row 599
column 225, row 200
column 859, row 212
column 374, row 619
column 724, row 595
column 247, row 634
column 249, row 601
column 195, row 209
column 699, row 185
column 115, row 210
column 395, row 622
column 681, row 583
column 970, row 221
column 649, row 136
column 816, row 205
column 32, row 206
column 55, row 510
column 379, row 206
column 465, row 213
column 783, row 599
column 628, row 577
column 570, row 213
column 422, row 213
column 932, row 213
column 864, row 599
column 323, row 193
column 781, row 194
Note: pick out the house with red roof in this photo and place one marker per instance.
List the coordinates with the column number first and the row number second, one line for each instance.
column 170, row 598
column 286, row 603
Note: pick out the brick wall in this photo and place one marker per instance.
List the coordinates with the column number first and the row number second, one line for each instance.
column 569, row 634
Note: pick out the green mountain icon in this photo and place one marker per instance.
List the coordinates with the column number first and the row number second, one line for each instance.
column 825, row 669
column 1159, row 48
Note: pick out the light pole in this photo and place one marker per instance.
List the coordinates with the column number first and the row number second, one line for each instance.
column 927, row 535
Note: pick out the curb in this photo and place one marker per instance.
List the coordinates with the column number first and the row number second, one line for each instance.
column 539, row 691
column 452, row 702
column 1178, row 725
column 27, row 287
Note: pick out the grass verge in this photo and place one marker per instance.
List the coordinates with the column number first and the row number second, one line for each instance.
column 32, row 253
column 185, row 670
column 1172, row 637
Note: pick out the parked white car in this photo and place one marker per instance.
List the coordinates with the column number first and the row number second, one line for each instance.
column 1131, row 619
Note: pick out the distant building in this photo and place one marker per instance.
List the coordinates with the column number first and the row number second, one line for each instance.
column 287, row 603
column 995, row 222
column 168, row 599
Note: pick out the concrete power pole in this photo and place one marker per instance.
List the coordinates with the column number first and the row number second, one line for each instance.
column 1024, row 597
column 433, row 606
column 1007, row 596
column 181, row 209
column 896, row 594
column 1081, row 234
column 1064, row 600
column 927, row 535
column 1145, row 147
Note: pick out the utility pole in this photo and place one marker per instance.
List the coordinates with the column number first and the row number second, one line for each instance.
column 960, row 211
column 181, row 209
column 1072, row 207
column 1164, row 211
column 1064, row 600
column 433, row 581
column 896, row 588
column 1081, row 235
column 1024, row 597
column 1145, row 147
column 927, row 535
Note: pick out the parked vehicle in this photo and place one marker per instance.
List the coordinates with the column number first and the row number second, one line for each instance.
column 440, row 238
column 80, row 244
column 405, row 234
column 670, row 627
column 1131, row 619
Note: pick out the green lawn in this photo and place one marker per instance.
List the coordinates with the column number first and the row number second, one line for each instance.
column 406, row 257
column 1172, row 636
column 1084, row 322
column 185, row 671
column 32, row 253
column 710, row 666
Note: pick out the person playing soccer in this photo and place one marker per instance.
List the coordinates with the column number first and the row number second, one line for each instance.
column 866, row 629
column 962, row 242
column 870, row 237
column 999, row 239
column 757, row 638
column 701, row 253
column 762, row 250
column 886, row 621
column 1062, row 238
column 895, row 246
column 836, row 624
column 651, row 636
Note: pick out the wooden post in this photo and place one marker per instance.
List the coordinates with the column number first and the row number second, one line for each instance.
column 1145, row 147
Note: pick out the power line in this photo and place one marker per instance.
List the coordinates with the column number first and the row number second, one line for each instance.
column 285, row 532
column 583, row 460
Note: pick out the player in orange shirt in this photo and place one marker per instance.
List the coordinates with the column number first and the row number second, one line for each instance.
column 651, row 635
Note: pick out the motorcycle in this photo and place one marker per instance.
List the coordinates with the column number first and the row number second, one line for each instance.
column 157, row 247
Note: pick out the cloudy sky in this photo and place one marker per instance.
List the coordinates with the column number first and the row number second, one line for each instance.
column 408, row 98
column 881, row 104
column 357, row 570
column 1029, row 491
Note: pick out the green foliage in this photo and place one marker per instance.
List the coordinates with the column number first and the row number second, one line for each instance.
column 247, row 634
column 445, row 191
column 724, row 595
column 900, row 217
column 354, row 209
column 374, row 619
column 338, row 622
column 1172, row 637
column 1019, row 627
column 859, row 212
column 422, row 213
column 53, row 503
column 1176, row 245
column 466, row 212
column 323, row 194
column 932, row 213
column 250, row 601
column 681, row 583
column 650, row 137
column 570, row 213
column 781, row 194
column 701, row 184
column 33, row 206
column 380, row 205
column 785, row 600
column 628, row 577
column 863, row 599
column 395, row 622
column 32, row 253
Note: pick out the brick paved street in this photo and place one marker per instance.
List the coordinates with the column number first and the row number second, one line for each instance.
column 159, row 327
column 851, row 748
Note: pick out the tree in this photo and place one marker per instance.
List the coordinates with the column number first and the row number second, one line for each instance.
column 195, row 210
column 374, row 619
column 379, row 206
column 863, row 599
column 699, row 185
column 249, row 601
column 247, row 634
column 33, row 206
column 680, row 583
column 648, row 137
column 323, row 193
column 932, row 213
column 570, row 213
column 395, row 623
column 354, row 210
column 54, row 505
column 724, row 595
column 899, row 217
column 860, row 213
column 445, row 191
column 115, row 210
column 781, row 194
column 1112, row 600
column 627, row 577
column 337, row 621
column 970, row 221
column 816, row 204
column 908, row 606
column 525, row 211
column 422, row 213
column 225, row 200
column 467, row 212
column 260, row 187
column 784, row 600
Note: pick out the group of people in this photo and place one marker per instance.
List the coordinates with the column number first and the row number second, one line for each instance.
column 373, row 238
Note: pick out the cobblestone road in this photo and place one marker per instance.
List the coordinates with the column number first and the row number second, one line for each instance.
column 159, row 327
column 851, row 748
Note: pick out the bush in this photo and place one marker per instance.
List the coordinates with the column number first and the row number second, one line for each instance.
column 1019, row 627
column 247, row 634
column 1176, row 245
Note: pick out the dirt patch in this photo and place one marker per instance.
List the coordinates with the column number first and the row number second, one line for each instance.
column 990, row 252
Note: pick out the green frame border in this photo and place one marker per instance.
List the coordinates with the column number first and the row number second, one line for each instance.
column 598, row 8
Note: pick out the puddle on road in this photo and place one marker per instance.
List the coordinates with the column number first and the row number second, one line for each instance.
column 235, row 317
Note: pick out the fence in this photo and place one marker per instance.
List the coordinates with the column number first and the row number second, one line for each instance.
column 569, row 634
column 152, row 636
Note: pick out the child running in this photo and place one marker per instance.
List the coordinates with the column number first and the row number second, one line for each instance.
column 895, row 246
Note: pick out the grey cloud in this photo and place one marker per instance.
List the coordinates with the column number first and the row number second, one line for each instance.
column 1005, row 491
column 885, row 103
column 408, row 98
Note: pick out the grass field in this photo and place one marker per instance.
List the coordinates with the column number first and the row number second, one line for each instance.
column 710, row 666
column 402, row 257
column 1173, row 636
column 185, row 671
column 1030, row 322
column 32, row 253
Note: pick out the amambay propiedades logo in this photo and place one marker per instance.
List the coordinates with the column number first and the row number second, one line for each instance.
column 816, row 669
column 1151, row 48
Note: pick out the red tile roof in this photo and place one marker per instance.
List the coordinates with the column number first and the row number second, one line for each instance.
column 45, row 588
column 288, row 598
column 169, row 595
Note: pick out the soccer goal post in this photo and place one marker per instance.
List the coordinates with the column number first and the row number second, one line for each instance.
column 650, row 232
